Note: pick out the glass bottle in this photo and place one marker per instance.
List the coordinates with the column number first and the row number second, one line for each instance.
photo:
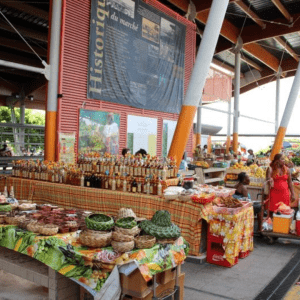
column 82, row 179
column 124, row 185
column 113, row 184
column 134, row 186
column 159, row 188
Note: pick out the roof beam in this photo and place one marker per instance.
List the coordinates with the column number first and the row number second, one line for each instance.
column 252, row 34
column 21, row 46
column 262, row 81
column 28, row 9
column 251, row 14
column 283, row 10
column 40, row 36
column 262, row 55
column 21, row 60
column 288, row 49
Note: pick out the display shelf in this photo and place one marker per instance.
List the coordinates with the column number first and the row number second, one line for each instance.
column 213, row 170
column 211, row 180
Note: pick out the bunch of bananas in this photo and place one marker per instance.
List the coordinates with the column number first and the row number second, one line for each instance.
column 260, row 173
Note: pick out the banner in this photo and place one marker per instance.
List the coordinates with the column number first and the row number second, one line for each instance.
column 98, row 131
column 66, row 147
column 136, row 56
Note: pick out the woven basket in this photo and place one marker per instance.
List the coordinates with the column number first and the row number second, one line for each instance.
column 49, row 229
column 122, row 246
column 13, row 220
column 119, row 237
column 34, row 227
column 105, row 223
column 72, row 224
column 23, row 223
column 126, row 223
column 2, row 219
column 125, row 213
column 27, row 206
column 99, row 240
column 144, row 241
column 166, row 241
column 133, row 231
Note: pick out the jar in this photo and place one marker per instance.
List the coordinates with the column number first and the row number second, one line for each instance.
column 188, row 183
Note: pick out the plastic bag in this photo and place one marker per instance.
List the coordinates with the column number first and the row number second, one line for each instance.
column 293, row 227
column 267, row 225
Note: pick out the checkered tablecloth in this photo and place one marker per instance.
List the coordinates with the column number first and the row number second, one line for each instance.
column 187, row 215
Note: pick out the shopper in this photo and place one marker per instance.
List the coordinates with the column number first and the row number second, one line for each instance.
column 251, row 155
column 280, row 182
column 241, row 188
column 143, row 152
column 125, row 151
column 183, row 165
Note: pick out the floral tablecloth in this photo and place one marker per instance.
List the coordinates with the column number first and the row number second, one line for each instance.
column 64, row 254
column 236, row 230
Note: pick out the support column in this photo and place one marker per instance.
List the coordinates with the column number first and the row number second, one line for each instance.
column 287, row 114
column 237, row 76
column 209, row 145
column 51, row 113
column 199, row 125
column 22, row 121
column 228, row 128
column 198, row 77
column 277, row 101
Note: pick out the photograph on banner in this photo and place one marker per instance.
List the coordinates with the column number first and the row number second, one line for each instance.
column 168, row 132
column 136, row 56
column 141, row 134
column 67, row 147
column 98, row 131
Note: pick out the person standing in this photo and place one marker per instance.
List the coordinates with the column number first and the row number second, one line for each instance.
column 111, row 135
column 280, row 183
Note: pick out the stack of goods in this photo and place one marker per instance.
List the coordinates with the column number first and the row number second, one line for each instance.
column 98, row 233
column 238, row 168
column 257, row 176
column 220, row 164
column 161, row 227
column 4, row 208
column 202, row 164
column 231, row 179
column 229, row 205
column 131, row 174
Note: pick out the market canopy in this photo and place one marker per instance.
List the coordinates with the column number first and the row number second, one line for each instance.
column 269, row 31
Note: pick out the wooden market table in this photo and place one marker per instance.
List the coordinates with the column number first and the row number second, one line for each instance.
column 187, row 215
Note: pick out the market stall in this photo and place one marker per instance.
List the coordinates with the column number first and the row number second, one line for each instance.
column 187, row 215
column 92, row 257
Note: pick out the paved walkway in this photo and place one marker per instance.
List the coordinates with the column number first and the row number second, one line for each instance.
column 243, row 281
column 206, row 282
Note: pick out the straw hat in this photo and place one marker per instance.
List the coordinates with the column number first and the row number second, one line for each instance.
column 161, row 226
column 128, row 212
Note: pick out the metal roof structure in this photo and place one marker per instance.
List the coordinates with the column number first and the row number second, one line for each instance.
column 269, row 30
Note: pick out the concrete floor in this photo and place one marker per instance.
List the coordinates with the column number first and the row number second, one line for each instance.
column 206, row 282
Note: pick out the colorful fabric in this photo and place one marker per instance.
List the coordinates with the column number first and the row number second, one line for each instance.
column 279, row 192
column 236, row 230
column 186, row 215
column 64, row 254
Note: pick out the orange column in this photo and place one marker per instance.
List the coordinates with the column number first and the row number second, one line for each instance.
column 228, row 144
column 209, row 145
column 278, row 142
column 50, row 135
column 235, row 142
column 198, row 139
column 181, row 135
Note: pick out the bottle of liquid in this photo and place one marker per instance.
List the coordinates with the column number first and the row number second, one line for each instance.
column 11, row 192
column 134, row 186
column 148, row 187
column 92, row 180
column 88, row 180
column 82, row 179
column 159, row 188
column 113, row 184
column 139, row 187
column 124, row 185
column 5, row 193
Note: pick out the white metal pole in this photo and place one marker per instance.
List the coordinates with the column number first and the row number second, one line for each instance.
column 237, row 76
column 199, row 124
column 21, row 67
column 287, row 113
column 277, row 103
column 198, row 78
column 51, row 113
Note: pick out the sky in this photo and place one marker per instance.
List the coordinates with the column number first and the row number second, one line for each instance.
column 258, row 103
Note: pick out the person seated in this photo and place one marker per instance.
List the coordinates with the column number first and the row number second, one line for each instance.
column 125, row 151
column 249, row 162
column 143, row 152
column 234, row 160
column 251, row 154
column 241, row 187
column 183, row 165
